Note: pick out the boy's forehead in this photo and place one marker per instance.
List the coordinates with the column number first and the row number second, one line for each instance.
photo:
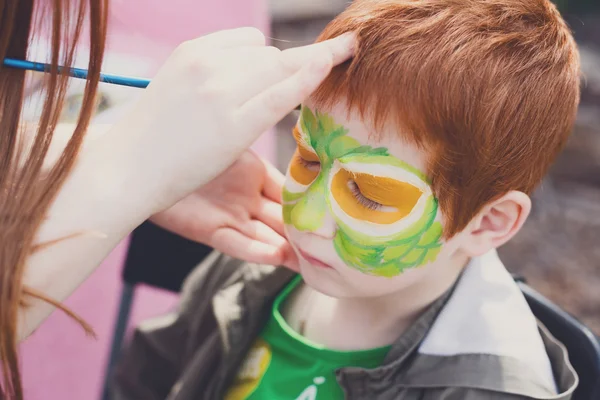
column 390, row 137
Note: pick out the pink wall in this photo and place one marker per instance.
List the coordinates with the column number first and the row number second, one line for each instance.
column 58, row 361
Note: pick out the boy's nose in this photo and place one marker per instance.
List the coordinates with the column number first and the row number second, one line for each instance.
column 312, row 214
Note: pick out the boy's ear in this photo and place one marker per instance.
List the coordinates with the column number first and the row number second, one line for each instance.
column 496, row 223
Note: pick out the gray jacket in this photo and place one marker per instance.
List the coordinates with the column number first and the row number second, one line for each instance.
column 478, row 341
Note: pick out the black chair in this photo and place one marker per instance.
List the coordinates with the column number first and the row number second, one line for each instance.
column 583, row 346
column 157, row 258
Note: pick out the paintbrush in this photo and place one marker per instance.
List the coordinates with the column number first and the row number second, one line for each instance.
column 81, row 73
column 78, row 73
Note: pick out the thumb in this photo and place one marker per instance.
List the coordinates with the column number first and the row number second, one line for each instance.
column 290, row 259
column 270, row 106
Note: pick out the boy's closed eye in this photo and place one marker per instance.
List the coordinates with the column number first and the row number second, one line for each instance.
column 303, row 170
column 374, row 199
column 360, row 195
column 307, row 163
column 362, row 199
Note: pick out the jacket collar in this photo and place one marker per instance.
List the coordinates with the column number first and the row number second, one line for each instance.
column 481, row 335
column 498, row 323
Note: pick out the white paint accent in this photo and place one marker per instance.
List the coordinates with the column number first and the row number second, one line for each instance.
column 387, row 171
column 488, row 314
column 305, row 137
column 370, row 228
column 293, row 186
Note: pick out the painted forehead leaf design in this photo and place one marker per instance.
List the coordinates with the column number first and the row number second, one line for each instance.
column 383, row 237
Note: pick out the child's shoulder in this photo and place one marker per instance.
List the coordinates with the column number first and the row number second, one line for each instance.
column 486, row 336
column 219, row 272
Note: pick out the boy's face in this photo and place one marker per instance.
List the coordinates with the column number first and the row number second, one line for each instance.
column 358, row 208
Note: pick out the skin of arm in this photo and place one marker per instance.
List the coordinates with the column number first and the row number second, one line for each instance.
column 98, row 206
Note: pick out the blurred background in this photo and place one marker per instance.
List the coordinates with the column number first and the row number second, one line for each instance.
column 558, row 251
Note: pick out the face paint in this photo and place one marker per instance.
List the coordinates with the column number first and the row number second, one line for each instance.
column 303, row 171
column 374, row 199
column 384, row 208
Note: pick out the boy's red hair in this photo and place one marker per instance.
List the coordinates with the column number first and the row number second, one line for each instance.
column 489, row 88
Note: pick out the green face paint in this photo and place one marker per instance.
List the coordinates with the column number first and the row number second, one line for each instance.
column 381, row 249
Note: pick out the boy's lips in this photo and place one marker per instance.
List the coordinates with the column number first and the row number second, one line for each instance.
column 312, row 260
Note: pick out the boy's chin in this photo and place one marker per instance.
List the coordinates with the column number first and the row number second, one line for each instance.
column 355, row 284
column 324, row 280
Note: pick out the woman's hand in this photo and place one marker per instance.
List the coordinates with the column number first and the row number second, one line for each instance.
column 211, row 100
column 237, row 213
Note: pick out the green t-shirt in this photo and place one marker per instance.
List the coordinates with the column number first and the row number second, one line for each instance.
column 283, row 365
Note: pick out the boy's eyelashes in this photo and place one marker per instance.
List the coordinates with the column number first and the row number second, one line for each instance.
column 361, row 198
column 312, row 165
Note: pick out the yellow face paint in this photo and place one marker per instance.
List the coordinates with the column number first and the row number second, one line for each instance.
column 303, row 171
column 373, row 199
column 304, row 166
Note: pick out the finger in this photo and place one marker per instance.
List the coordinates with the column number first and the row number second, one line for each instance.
column 237, row 37
column 253, row 58
column 339, row 49
column 274, row 181
column 270, row 106
column 247, row 71
column 290, row 259
column 237, row 245
column 265, row 234
column 270, row 213
column 267, row 66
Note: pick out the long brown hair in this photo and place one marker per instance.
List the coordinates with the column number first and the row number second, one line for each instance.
column 26, row 191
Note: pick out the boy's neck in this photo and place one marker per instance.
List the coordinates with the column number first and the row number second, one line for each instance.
column 364, row 323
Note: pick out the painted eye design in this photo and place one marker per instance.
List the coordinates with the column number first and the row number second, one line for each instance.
column 311, row 165
column 373, row 199
column 305, row 165
column 302, row 170
column 362, row 199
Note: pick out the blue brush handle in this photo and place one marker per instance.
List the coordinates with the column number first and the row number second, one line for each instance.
column 78, row 73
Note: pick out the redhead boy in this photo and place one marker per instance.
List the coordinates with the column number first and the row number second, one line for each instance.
column 414, row 162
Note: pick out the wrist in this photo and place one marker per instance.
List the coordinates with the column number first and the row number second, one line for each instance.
column 141, row 171
column 96, row 207
column 99, row 195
